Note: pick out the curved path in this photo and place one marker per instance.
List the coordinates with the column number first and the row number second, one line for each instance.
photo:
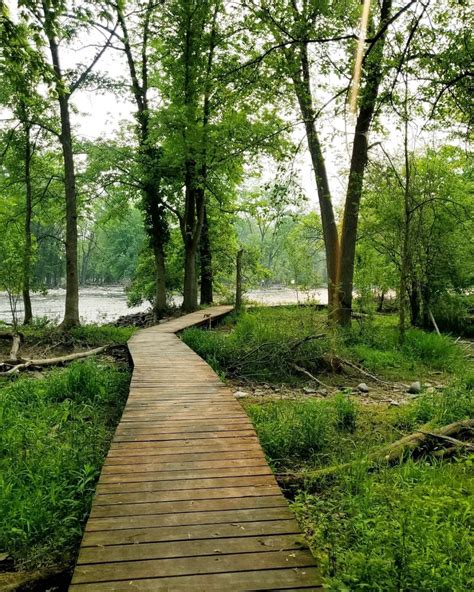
column 186, row 500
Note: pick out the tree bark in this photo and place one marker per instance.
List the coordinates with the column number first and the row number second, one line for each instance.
column 205, row 256
column 238, row 281
column 71, row 313
column 190, row 283
column 156, row 224
column 28, row 313
column 302, row 85
column 359, row 158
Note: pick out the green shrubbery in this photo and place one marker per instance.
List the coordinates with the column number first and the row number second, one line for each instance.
column 266, row 343
column 55, row 434
column 404, row 528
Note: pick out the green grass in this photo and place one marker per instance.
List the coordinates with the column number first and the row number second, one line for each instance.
column 405, row 528
column 264, row 344
column 55, row 433
column 90, row 335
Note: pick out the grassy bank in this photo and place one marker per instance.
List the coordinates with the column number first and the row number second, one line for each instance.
column 55, row 431
column 405, row 527
column 266, row 343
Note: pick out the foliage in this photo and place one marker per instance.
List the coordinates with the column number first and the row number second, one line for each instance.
column 292, row 430
column 405, row 528
column 266, row 343
column 440, row 219
column 55, row 434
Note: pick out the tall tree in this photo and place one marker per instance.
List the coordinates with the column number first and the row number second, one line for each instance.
column 57, row 22
column 294, row 27
column 135, row 42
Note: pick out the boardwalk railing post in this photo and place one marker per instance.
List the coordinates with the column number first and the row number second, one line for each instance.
column 238, row 281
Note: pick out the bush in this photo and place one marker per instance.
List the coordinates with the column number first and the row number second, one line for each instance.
column 54, row 437
column 440, row 408
column 452, row 313
column 265, row 344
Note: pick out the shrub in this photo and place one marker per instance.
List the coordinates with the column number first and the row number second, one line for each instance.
column 405, row 528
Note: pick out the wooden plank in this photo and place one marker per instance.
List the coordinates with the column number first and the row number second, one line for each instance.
column 184, row 457
column 188, row 518
column 186, row 494
column 188, row 475
column 184, row 484
column 186, row 500
column 278, row 579
column 191, row 548
column 161, row 568
column 194, row 532
column 206, row 505
column 180, row 466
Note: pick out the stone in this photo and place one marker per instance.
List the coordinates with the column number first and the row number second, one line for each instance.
column 363, row 388
column 240, row 395
column 415, row 388
column 309, row 390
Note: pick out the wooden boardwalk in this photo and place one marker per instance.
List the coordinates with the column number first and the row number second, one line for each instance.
column 186, row 500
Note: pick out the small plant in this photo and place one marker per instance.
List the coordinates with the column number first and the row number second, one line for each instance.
column 346, row 412
column 54, row 437
column 292, row 430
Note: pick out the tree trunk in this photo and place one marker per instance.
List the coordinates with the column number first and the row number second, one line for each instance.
column 238, row 281
column 156, row 223
column 28, row 216
column 381, row 301
column 356, row 174
column 205, row 255
column 159, row 304
column 190, row 303
column 302, row 85
column 71, row 313
column 157, row 228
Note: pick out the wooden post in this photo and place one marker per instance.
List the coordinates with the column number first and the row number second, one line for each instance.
column 238, row 281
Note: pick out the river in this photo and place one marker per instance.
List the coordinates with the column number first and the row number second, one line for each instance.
column 106, row 304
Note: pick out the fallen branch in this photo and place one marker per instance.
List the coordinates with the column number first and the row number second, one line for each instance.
column 304, row 371
column 362, row 371
column 390, row 454
column 17, row 339
column 25, row 363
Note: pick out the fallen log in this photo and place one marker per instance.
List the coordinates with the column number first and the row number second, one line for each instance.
column 25, row 362
column 414, row 445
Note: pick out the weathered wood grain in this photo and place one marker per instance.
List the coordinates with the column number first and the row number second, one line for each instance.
column 186, row 500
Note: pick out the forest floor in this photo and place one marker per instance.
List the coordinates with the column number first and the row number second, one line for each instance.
column 372, row 526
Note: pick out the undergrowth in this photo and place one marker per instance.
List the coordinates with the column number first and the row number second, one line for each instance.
column 265, row 344
column 55, row 434
column 384, row 529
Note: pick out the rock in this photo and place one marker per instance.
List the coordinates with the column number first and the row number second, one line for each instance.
column 240, row 395
column 322, row 392
column 363, row 388
column 258, row 393
column 415, row 388
column 309, row 390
